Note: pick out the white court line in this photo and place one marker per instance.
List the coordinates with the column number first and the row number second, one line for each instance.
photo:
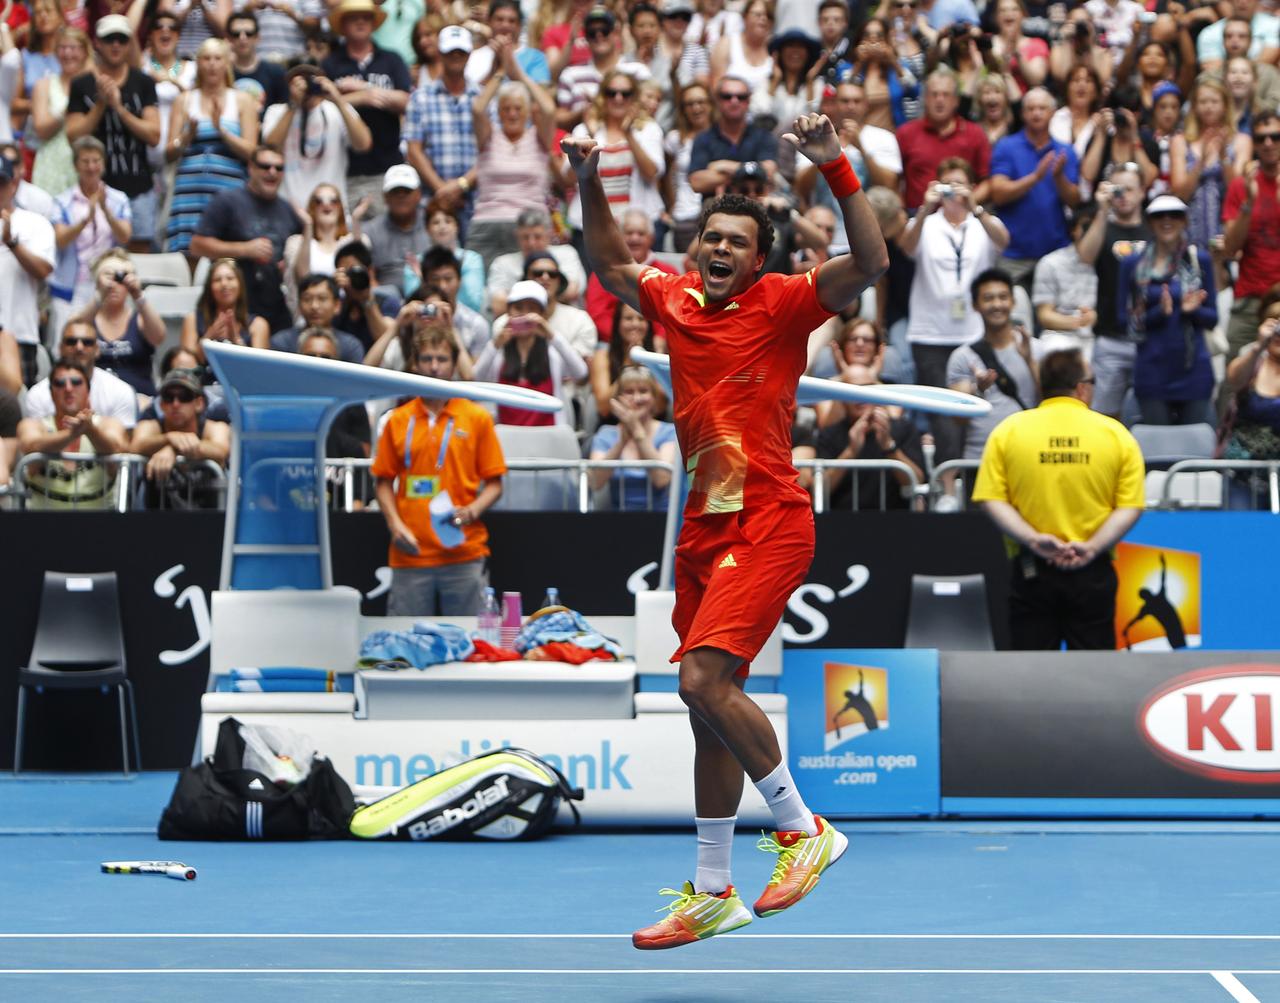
column 1235, row 987
column 621, row 936
column 624, row 971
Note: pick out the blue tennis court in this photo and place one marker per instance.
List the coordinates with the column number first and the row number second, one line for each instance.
column 915, row 911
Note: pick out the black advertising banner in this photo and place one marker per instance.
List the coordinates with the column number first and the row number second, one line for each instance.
column 1190, row 724
column 169, row 562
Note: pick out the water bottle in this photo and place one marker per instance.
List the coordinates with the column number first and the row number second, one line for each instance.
column 489, row 618
column 552, row 598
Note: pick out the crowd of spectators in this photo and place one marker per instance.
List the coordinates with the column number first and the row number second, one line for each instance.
column 1100, row 175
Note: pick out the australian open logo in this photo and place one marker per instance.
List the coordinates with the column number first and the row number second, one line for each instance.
column 857, row 702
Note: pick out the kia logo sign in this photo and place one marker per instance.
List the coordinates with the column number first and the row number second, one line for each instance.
column 1218, row 722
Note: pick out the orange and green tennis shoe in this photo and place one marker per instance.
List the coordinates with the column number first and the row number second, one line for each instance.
column 693, row 916
column 801, row 862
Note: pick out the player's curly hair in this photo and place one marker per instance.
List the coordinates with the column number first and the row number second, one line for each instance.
column 740, row 205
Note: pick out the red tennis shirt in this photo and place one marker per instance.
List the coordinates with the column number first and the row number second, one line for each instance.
column 734, row 369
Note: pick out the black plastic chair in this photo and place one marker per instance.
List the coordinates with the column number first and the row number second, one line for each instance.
column 949, row 612
column 79, row 645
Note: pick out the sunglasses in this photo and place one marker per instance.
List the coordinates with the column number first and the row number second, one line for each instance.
column 70, row 341
column 243, row 33
column 62, row 382
column 543, row 273
column 680, row 16
column 618, row 92
column 324, row 203
column 177, row 397
column 269, row 168
column 595, row 33
column 115, row 39
column 1090, row 380
column 1266, row 137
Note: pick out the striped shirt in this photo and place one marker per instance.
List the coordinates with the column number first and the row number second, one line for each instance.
column 279, row 36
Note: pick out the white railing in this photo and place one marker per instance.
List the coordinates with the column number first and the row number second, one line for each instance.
column 129, row 476
column 856, row 468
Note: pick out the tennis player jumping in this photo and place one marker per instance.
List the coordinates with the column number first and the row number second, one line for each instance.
column 737, row 341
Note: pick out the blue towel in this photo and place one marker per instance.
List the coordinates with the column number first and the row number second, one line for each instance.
column 336, row 683
column 280, row 672
column 564, row 625
column 427, row 644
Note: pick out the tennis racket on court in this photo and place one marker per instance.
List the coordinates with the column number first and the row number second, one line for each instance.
column 169, row 868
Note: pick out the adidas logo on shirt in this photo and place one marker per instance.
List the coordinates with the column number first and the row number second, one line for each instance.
column 728, row 562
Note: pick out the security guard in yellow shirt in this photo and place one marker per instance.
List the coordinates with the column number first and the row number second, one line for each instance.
column 1064, row 484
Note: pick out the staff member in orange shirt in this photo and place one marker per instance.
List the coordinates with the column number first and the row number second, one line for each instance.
column 429, row 446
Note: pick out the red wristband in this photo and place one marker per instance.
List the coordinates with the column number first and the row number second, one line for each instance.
column 840, row 176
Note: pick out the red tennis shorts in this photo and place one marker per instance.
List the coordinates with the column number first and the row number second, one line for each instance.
column 734, row 574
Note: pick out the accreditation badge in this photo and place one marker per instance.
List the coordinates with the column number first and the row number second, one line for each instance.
column 959, row 308
column 422, row 487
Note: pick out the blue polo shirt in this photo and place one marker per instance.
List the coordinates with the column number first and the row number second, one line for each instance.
column 757, row 144
column 1036, row 222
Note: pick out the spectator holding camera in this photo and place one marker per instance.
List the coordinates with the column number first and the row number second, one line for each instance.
column 1169, row 299
column 427, row 308
column 1034, row 180
column 1117, row 141
column 951, row 239
column 527, row 352
column 366, row 314
column 428, row 447
column 129, row 329
column 184, row 432
column 1077, row 43
column 222, row 312
column 316, row 129
column 442, row 271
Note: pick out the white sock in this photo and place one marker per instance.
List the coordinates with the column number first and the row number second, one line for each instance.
column 715, row 846
column 784, row 800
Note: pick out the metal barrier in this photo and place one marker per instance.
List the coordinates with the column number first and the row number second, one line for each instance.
column 856, row 467
column 1270, row 467
column 343, row 474
column 129, row 477
column 935, row 488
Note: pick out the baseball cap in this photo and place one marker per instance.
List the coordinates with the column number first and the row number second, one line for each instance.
column 1163, row 88
column 400, row 176
column 186, row 379
column 750, row 171
column 453, row 38
column 1166, row 204
column 677, row 8
column 113, row 24
column 602, row 14
column 527, row 289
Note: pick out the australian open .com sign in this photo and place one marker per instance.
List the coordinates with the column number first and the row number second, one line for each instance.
column 600, row 770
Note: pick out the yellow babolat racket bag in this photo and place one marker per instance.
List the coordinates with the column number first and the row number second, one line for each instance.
column 507, row 794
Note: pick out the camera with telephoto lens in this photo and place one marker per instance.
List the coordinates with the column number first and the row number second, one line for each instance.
column 121, row 276
column 358, row 276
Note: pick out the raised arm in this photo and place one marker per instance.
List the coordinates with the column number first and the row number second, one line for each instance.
column 607, row 253
column 841, row 279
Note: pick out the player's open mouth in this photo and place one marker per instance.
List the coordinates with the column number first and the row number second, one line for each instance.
column 719, row 270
